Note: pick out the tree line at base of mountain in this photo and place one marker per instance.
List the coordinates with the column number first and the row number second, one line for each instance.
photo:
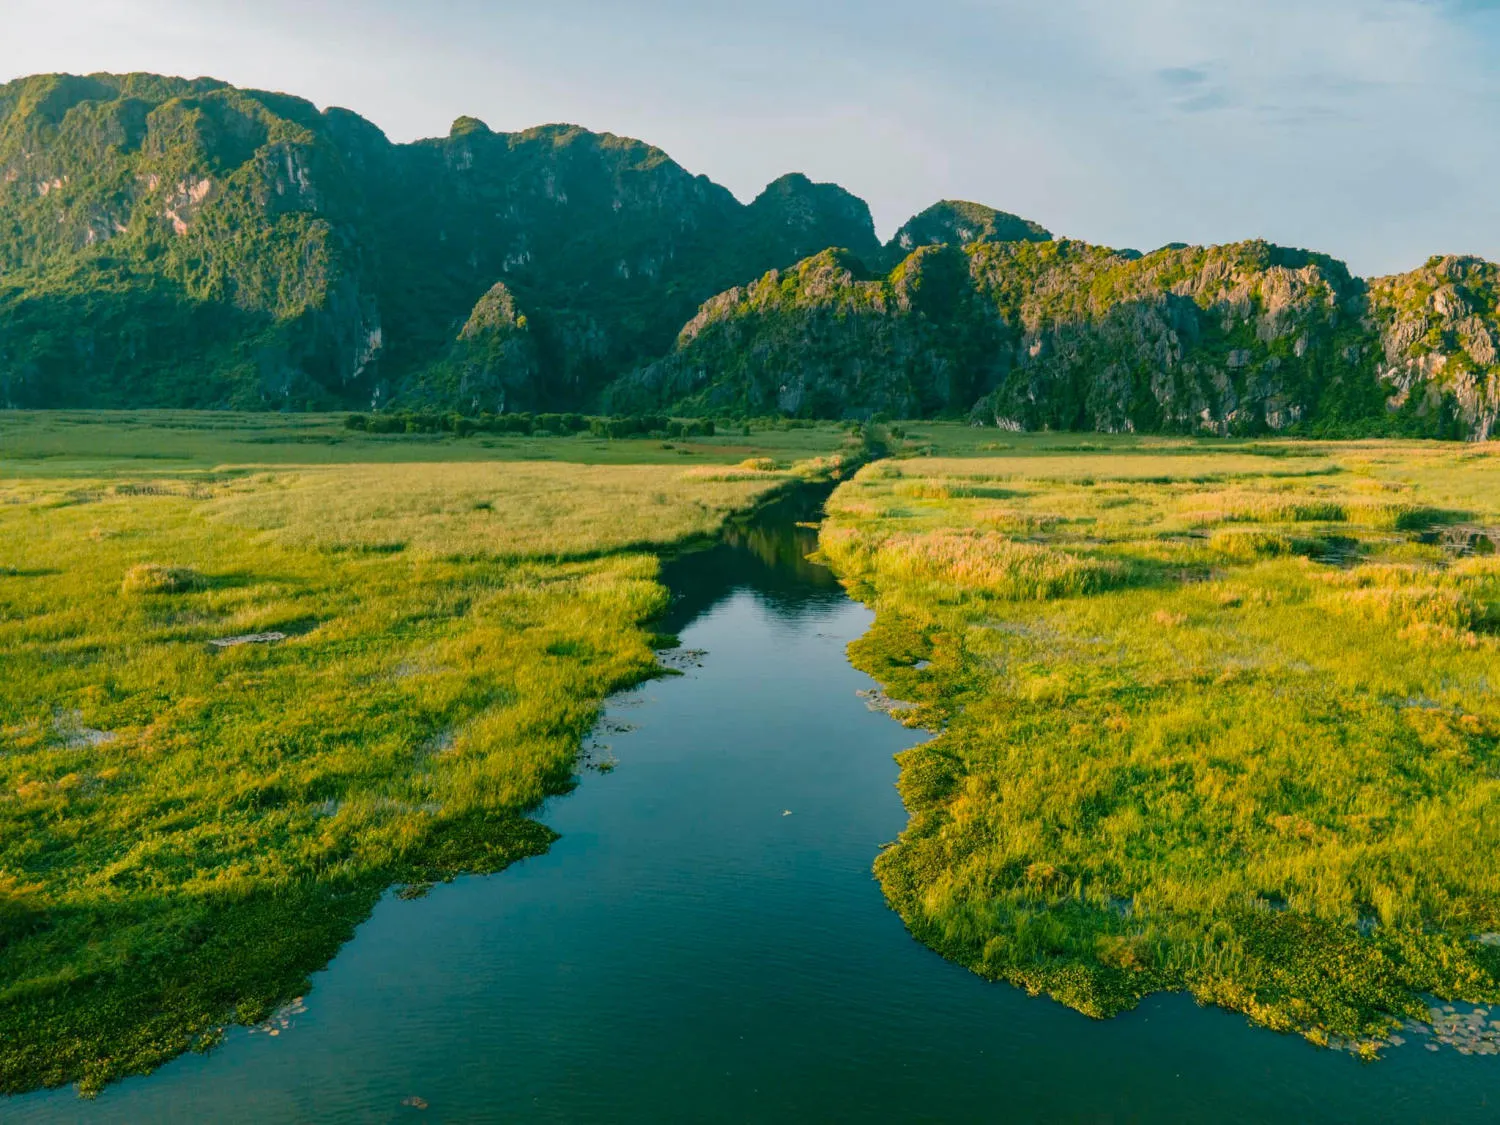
column 176, row 243
column 527, row 425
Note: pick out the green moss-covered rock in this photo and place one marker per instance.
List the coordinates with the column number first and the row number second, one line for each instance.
column 166, row 242
column 493, row 366
column 959, row 223
column 175, row 243
column 1031, row 333
column 829, row 339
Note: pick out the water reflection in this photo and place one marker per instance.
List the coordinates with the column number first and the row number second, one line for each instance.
column 767, row 554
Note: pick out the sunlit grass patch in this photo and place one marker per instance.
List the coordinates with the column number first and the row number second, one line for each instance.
column 237, row 706
column 153, row 578
column 1253, row 756
column 992, row 565
column 1247, row 545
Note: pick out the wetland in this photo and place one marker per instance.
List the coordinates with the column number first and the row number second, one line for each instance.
column 696, row 931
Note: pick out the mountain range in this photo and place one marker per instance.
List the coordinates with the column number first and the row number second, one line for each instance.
column 184, row 243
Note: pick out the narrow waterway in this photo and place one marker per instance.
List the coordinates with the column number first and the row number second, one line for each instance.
column 706, row 943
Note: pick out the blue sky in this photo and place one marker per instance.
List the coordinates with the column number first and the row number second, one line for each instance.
column 1366, row 128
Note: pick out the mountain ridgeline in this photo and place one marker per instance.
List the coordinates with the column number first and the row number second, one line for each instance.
column 169, row 242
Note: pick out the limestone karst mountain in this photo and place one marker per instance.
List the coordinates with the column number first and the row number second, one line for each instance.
column 171, row 242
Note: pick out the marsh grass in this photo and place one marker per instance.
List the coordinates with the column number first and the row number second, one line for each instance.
column 187, row 832
column 153, row 578
column 1210, row 719
column 84, row 442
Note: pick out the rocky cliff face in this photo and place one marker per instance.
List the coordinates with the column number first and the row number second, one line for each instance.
column 794, row 214
column 287, row 256
column 1247, row 338
column 1243, row 338
column 185, row 243
column 176, row 243
column 494, row 366
column 956, row 223
column 1439, row 347
column 826, row 338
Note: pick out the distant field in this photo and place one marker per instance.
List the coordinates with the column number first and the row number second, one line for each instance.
column 84, row 441
column 1213, row 716
column 188, row 829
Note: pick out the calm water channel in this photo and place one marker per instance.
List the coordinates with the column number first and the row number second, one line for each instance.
column 706, row 943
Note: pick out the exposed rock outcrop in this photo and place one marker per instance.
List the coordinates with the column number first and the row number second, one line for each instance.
column 185, row 243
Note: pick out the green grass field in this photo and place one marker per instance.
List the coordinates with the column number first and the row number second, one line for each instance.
column 58, row 443
column 1211, row 716
column 187, row 830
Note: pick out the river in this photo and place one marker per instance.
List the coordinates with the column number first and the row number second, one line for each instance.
column 706, row 943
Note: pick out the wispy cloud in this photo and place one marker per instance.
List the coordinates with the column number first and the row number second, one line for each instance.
column 1182, row 77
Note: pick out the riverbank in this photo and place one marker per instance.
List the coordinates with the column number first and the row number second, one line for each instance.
column 1213, row 717
column 240, row 702
column 704, row 941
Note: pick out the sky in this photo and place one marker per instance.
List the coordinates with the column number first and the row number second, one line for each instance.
column 1369, row 129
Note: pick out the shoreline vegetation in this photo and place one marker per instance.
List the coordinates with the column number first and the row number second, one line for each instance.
column 1209, row 715
column 244, row 696
column 1213, row 717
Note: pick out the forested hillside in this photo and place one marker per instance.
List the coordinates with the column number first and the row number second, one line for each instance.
column 1031, row 335
column 166, row 242
column 169, row 242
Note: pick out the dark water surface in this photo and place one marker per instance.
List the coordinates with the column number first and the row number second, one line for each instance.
column 688, row 951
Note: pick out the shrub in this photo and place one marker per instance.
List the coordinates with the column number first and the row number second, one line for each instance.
column 150, row 578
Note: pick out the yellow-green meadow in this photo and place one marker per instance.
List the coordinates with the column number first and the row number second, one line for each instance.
column 1215, row 717
column 241, row 698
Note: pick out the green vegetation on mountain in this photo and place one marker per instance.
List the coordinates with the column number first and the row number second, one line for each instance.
column 184, row 243
column 165, row 242
column 1040, row 334
column 492, row 367
column 813, row 340
column 957, row 223
column 1440, row 342
column 1243, row 338
column 1212, row 718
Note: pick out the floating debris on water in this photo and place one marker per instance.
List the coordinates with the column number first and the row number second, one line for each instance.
column 877, row 700
column 681, row 659
column 281, row 1019
column 1470, row 1032
column 597, row 757
column 414, row 1102
column 247, row 639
